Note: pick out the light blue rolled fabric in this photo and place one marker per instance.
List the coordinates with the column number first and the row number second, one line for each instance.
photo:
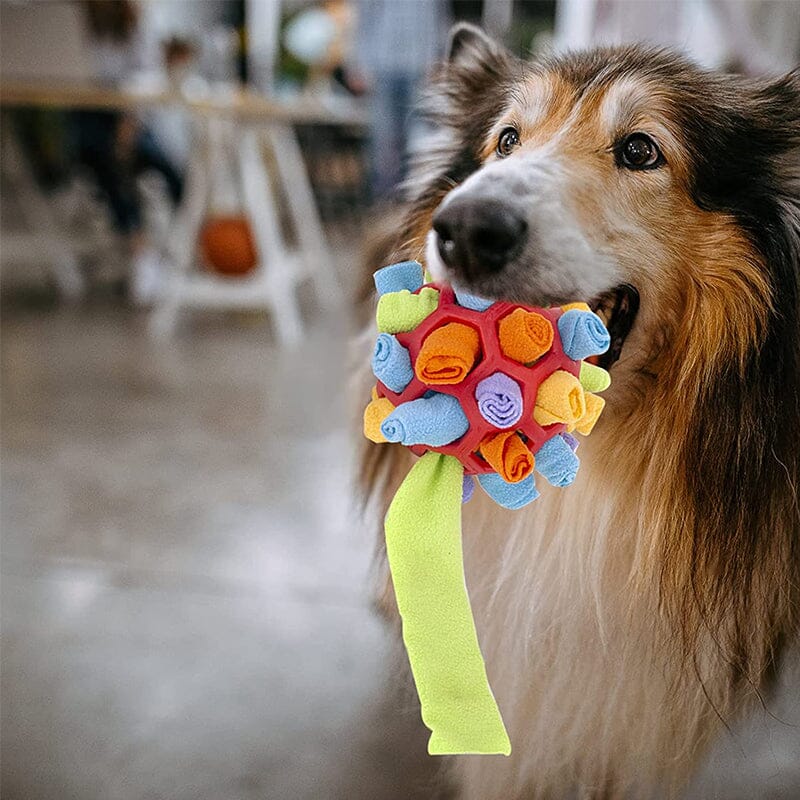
column 391, row 362
column 396, row 277
column 471, row 301
column 509, row 495
column 582, row 334
column 556, row 462
column 435, row 420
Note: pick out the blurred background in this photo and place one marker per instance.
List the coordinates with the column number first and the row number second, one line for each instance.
column 187, row 192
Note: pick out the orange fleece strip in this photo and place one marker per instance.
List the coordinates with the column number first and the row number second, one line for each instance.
column 560, row 398
column 448, row 354
column 374, row 414
column 525, row 335
column 508, row 456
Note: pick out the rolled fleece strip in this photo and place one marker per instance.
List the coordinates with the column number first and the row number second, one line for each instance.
column 391, row 362
column 471, row 301
column 581, row 306
column 499, row 400
column 556, row 462
column 594, row 407
column 374, row 414
column 434, row 420
column 399, row 312
column 509, row 495
column 508, row 456
column 560, row 398
column 594, row 378
column 570, row 440
column 582, row 334
column 468, row 489
column 423, row 543
column 448, row 354
column 396, row 277
column 525, row 336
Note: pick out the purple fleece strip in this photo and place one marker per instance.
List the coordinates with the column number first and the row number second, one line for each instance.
column 467, row 488
column 499, row 400
column 570, row 440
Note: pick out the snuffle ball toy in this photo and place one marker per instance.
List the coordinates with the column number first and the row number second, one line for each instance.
column 482, row 391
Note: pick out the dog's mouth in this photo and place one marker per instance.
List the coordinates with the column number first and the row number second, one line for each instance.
column 617, row 308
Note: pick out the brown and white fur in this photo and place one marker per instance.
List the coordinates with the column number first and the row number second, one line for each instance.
column 626, row 620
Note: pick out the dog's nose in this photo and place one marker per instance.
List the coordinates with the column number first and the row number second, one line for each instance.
column 477, row 236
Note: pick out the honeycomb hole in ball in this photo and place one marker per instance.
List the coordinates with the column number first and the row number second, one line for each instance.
column 491, row 359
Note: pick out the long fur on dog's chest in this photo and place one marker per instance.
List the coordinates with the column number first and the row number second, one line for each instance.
column 578, row 653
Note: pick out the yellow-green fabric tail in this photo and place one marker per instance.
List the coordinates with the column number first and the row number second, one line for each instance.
column 423, row 543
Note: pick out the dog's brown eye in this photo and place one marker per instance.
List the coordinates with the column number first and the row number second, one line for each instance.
column 508, row 140
column 639, row 151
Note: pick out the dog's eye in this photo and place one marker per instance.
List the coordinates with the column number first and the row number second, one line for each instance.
column 639, row 151
column 507, row 141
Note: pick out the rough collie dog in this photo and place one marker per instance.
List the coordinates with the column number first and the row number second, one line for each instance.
column 627, row 620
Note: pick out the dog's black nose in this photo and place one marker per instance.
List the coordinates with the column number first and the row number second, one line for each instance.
column 477, row 236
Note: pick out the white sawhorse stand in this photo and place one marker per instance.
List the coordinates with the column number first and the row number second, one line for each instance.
column 281, row 268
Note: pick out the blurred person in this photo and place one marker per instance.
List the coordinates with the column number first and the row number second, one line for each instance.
column 177, row 75
column 319, row 38
column 396, row 45
column 749, row 36
column 117, row 147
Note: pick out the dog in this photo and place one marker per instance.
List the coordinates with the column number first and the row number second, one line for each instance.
column 628, row 620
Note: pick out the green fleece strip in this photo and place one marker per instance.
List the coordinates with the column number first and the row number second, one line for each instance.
column 594, row 378
column 402, row 311
column 423, row 542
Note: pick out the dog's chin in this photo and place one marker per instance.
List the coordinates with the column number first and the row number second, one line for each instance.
column 617, row 307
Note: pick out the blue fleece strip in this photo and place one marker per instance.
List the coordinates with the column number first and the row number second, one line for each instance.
column 509, row 495
column 471, row 301
column 582, row 334
column 396, row 277
column 556, row 462
column 435, row 420
column 391, row 362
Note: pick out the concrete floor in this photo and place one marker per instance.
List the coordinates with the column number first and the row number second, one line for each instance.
column 185, row 587
column 185, row 593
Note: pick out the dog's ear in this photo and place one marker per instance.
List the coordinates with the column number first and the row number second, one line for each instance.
column 747, row 149
column 778, row 101
column 472, row 55
column 467, row 44
column 464, row 35
column 774, row 110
